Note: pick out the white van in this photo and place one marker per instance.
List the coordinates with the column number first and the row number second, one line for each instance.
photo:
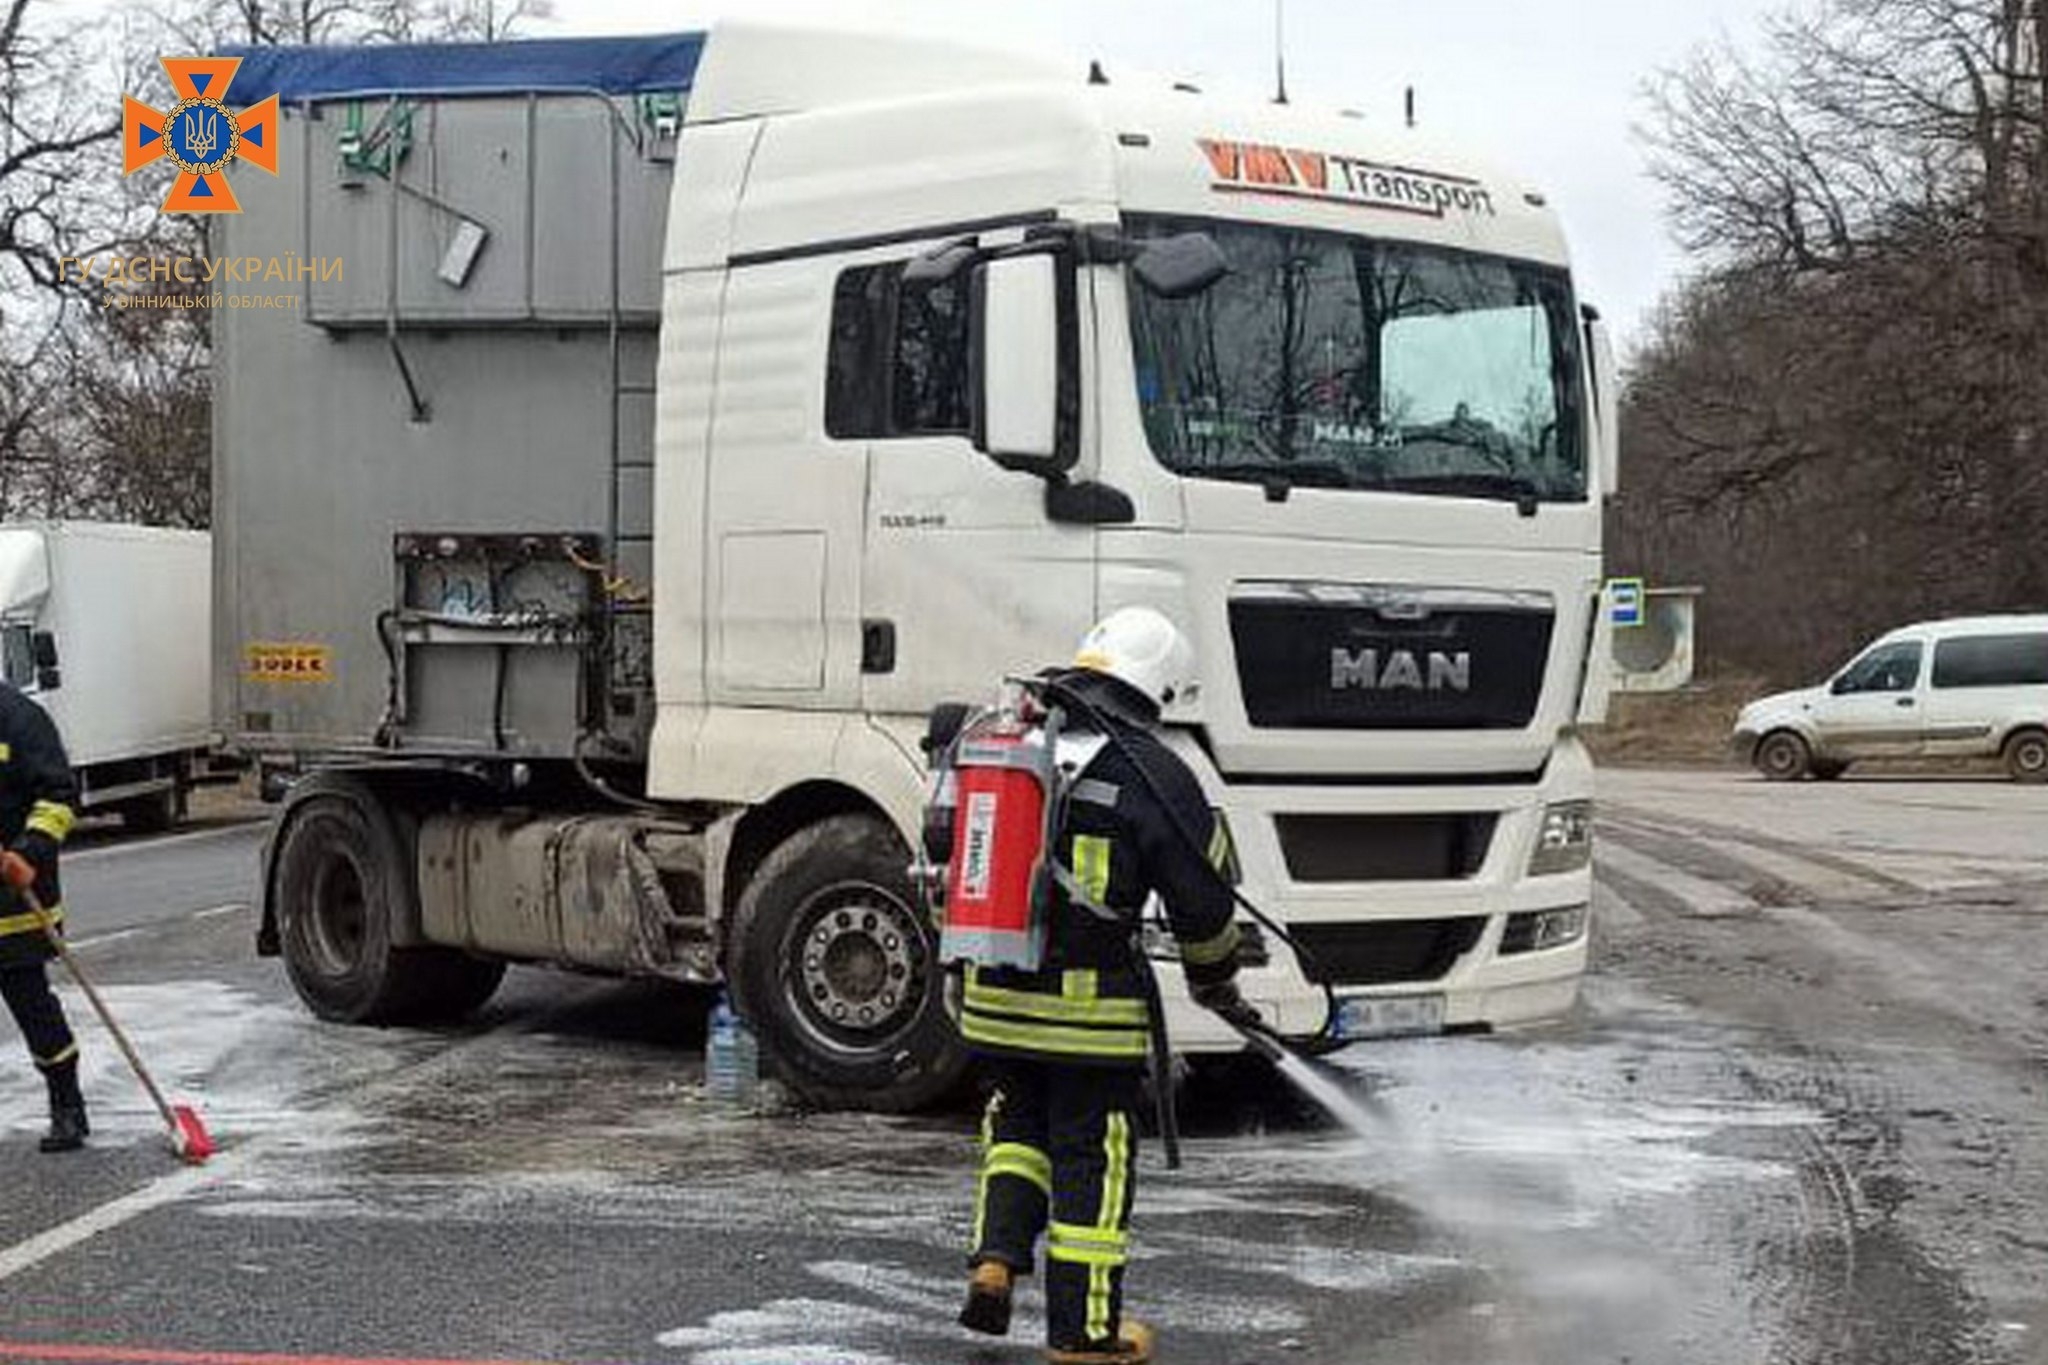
column 1969, row 688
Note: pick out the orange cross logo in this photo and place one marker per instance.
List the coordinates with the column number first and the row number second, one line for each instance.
column 201, row 135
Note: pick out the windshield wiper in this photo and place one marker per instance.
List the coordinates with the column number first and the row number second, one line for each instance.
column 1518, row 489
column 1280, row 477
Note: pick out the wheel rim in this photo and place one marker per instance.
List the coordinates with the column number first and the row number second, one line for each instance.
column 854, row 967
column 1781, row 757
column 338, row 917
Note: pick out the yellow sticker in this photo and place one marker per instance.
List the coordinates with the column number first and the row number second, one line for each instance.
column 287, row 663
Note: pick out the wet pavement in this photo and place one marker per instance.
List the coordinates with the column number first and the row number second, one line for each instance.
column 1799, row 1117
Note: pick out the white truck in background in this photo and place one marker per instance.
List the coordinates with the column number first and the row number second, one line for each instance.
column 652, row 431
column 106, row 626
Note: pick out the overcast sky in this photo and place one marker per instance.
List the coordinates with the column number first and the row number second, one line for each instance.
column 1550, row 87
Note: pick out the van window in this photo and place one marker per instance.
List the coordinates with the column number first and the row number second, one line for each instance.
column 1992, row 661
column 898, row 362
column 1888, row 668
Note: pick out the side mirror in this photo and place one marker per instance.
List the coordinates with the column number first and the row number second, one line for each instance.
column 1025, row 371
column 1606, row 385
column 1840, row 686
column 42, row 649
column 1180, row 267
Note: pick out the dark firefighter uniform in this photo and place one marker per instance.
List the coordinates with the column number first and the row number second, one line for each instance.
column 37, row 797
column 1066, row 1044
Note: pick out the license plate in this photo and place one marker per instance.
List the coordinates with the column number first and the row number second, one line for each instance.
column 1390, row 1016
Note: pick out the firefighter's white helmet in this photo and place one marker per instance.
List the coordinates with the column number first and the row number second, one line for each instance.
column 1142, row 649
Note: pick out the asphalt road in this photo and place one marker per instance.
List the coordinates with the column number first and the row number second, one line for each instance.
column 1800, row 1117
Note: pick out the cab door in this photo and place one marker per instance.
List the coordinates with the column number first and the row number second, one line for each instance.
column 1874, row 708
column 964, row 577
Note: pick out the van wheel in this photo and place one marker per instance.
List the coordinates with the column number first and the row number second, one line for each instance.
column 342, row 880
column 1782, row 756
column 2026, row 756
column 835, row 964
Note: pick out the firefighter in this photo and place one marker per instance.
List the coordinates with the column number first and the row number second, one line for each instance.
column 37, row 794
column 1064, row 1045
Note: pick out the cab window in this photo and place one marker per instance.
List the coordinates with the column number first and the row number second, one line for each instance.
column 1888, row 668
column 898, row 364
column 17, row 655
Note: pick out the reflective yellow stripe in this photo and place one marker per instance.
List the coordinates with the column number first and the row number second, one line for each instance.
column 66, row 1055
column 1081, row 983
column 1079, row 1245
column 1091, row 866
column 6, row 751
column 53, row 818
column 988, row 1143
column 1076, row 1042
column 1077, row 1234
column 1210, row 951
column 1108, row 1232
column 1219, row 846
column 30, row 922
column 1018, row 1159
column 1057, row 1009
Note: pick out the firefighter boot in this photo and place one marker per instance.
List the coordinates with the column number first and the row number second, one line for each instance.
column 988, row 1299
column 68, row 1125
column 1134, row 1347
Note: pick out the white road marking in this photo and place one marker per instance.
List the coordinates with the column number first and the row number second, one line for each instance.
column 169, row 1189
column 96, row 940
column 167, row 841
column 216, row 911
column 1610, row 906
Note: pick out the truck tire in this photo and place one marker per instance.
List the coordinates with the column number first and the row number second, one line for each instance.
column 835, row 965
column 1782, row 756
column 2026, row 756
column 341, row 879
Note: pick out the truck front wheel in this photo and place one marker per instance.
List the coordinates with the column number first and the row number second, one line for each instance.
column 341, row 881
column 832, row 961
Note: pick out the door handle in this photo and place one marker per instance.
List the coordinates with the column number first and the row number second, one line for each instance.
column 877, row 646
column 1903, row 701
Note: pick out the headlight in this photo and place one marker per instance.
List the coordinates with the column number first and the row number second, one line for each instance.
column 1564, row 843
column 1531, row 931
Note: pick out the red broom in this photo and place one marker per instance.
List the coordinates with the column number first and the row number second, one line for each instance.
column 189, row 1138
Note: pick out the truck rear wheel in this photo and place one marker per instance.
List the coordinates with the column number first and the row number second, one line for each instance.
column 834, row 963
column 155, row 813
column 342, row 880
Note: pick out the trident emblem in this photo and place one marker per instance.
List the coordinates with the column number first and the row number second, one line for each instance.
column 202, row 133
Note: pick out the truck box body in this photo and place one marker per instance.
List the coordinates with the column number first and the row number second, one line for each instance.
column 389, row 402
column 624, row 432
column 126, row 610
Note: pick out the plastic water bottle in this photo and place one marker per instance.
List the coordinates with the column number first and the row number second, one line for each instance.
column 732, row 1059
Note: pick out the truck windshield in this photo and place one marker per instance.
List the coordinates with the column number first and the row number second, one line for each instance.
column 1350, row 362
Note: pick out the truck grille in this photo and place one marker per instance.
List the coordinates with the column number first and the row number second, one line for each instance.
column 1384, row 657
column 1385, row 953
column 1384, row 848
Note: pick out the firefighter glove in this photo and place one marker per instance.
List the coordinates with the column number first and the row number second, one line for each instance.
column 17, row 871
column 1227, row 1002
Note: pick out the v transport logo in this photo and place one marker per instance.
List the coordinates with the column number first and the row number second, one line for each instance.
column 201, row 135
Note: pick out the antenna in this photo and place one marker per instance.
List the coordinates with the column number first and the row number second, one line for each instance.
column 1279, row 51
column 1411, row 106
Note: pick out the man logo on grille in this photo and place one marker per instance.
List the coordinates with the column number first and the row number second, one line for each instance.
column 1400, row 672
column 200, row 135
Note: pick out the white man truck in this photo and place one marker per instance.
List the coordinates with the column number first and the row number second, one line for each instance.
column 649, row 432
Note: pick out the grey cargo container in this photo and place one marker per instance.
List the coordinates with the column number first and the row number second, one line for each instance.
column 434, row 445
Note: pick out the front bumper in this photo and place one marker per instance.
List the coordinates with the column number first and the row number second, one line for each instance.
column 1481, row 985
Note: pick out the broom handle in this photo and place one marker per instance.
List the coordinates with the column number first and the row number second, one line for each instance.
column 99, row 1006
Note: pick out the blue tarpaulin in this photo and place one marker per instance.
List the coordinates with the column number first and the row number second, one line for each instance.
column 617, row 66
